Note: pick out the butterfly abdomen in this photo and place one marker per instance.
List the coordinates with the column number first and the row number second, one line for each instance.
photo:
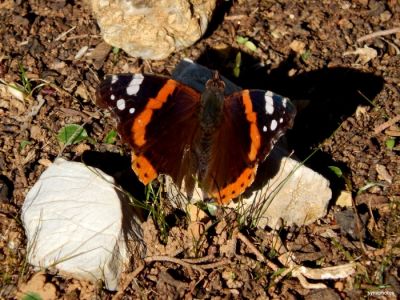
column 210, row 119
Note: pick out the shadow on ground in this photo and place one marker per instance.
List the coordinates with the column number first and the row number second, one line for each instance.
column 325, row 97
column 117, row 166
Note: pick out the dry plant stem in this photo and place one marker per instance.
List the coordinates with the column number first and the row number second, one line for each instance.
column 215, row 265
column 371, row 214
column 387, row 124
column 392, row 132
column 391, row 44
column 199, row 260
column 304, row 283
column 236, row 17
column 178, row 261
column 378, row 34
column 257, row 253
column 358, row 227
column 73, row 112
column 64, row 34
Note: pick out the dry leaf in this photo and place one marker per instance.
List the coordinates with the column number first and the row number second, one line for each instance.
column 383, row 174
column 364, row 54
column 344, row 199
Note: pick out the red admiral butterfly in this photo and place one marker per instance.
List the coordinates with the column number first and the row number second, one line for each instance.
column 215, row 140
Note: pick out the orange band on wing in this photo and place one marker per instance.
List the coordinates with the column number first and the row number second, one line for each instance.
column 143, row 169
column 236, row 188
column 139, row 125
column 254, row 132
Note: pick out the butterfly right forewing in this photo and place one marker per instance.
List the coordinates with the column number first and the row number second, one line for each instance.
column 253, row 122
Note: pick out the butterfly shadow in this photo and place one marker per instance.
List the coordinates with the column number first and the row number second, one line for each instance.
column 324, row 98
column 118, row 167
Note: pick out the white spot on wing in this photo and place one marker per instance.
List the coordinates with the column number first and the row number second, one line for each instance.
column 274, row 124
column 265, row 128
column 131, row 110
column 114, row 79
column 269, row 102
column 134, row 85
column 121, row 104
column 280, row 120
column 112, row 97
column 284, row 101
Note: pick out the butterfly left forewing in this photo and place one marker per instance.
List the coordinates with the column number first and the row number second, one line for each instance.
column 155, row 116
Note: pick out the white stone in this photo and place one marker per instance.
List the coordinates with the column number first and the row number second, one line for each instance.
column 294, row 195
column 152, row 29
column 73, row 221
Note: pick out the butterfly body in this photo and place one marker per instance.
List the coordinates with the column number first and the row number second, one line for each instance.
column 207, row 138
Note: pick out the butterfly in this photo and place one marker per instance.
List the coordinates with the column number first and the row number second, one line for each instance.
column 207, row 138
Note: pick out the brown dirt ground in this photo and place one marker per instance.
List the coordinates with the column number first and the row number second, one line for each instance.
column 301, row 48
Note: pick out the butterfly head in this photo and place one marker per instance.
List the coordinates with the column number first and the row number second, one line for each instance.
column 215, row 84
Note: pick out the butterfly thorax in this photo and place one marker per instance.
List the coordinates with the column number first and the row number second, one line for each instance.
column 212, row 103
column 210, row 118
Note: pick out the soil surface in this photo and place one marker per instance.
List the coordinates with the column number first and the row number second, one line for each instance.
column 345, row 83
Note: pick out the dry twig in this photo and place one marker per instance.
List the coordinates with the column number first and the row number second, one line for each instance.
column 199, row 260
column 163, row 258
column 256, row 252
column 387, row 124
column 378, row 34
column 215, row 264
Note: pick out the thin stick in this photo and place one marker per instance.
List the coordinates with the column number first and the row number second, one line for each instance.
column 215, row 264
column 378, row 34
column 257, row 252
column 163, row 258
column 64, row 33
column 236, row 17
column 198, row 260
column 387, row 124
